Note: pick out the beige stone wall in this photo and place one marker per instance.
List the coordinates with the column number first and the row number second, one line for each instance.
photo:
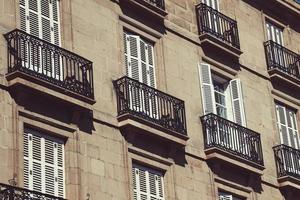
column 99, row 164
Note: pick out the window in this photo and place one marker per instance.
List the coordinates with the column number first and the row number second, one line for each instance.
column 41, row 19
column 212, row 3
column 43, row 163
column 139, row 59
column 227, row 196
column 221, row 97
column 147, row 183
column 287, row 125
column 274, row 33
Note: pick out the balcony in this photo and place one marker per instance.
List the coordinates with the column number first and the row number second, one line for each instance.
column 155, row 8
column 32, row 60
column 288, row 166
column 149, row 110
column 217, row 31
column 283, row 64
column 231, row 143
column 8, row 192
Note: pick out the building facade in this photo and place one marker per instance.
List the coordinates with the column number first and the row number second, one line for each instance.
column 150, row 99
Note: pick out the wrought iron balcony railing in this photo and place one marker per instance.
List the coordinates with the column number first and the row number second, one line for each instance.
column 232, row 138
column 50, row 63
column 283, row 59
column 287, row 161
column 157, row 3
column 217, row 24
column 150, row 104
column 8, row 192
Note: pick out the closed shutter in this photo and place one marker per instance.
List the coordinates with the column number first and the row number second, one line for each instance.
column 147, row 184
column 43, row 164
column 40, row 18
column 207, row 89
column 212, row 3
column 237, row 102
column 139, row 59
column 225, row 197
column 287, row 125
column 274, row 33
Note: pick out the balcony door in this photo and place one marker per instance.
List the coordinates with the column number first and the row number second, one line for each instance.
column 289, row 135
column 40, row 18
column 224, row 98
column 139, row 58
column 275, row 34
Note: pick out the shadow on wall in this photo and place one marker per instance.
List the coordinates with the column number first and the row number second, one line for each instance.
column 156, row 146
column 141, row 15
column 238, row 176
column 49, row 106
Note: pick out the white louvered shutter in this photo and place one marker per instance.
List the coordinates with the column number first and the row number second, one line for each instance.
column 207, row 89
column 225, row 197
column 287, row 125
column 43, row 164
column 27, row 145
column 274, row 33
column 147, row 184
column 40, row 18
column 212, row 3
column 139, row 59
column 237, row 102
column 132, row 54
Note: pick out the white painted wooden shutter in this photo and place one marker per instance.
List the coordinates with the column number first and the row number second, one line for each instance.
column 274, row 33
column 287, row 125
column 43, row 163
column 139, row 59
column 225, row 197
column 147, row 184
column 237, row 102
column 132, row 54
column 212, row 3
column 41, row 19
column 207, row 89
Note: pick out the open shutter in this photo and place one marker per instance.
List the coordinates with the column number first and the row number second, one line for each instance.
column 237, row 102
column 152, row 79
column 207, row 89
column 133, row 51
